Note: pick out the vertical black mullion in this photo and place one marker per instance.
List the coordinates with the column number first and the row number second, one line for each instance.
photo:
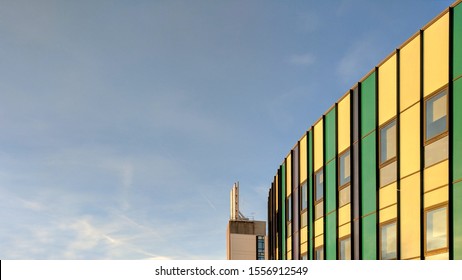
column 299, row 189
column 292, row 196
column 300, row 198
column 356, row 167
column 422, row 150
column 307, row 198
column 324, row 216
column 295, row 203
column 268, row 215
column 352, row 201
column 274, row 220
column 336, row 184
column 273, row 229
column 377, row 170
column 270, row 228
column 398, row 159
column 281, row 219
column 450, row 132
column 313, row 199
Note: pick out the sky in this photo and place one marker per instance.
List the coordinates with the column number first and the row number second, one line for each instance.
column 124, row 124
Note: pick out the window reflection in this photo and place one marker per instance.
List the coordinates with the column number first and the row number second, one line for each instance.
column 436, row 115
column 388, row 241
column 436, row 229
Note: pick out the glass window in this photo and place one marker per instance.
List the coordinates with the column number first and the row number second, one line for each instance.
column 436, row 115
column 388, row 142
column 436, row 151
column 319, row 191
column 303, row 196
column 260, row 247
column 318, row 210
column 436, row 229
column 319, row 253
column 344, row 196
column 289, row 215
column 304, row 219
column 388, row 174
column 289, row 208
column 319, row 195
column 345, row 249
column 388, row 241
column 304, row 257
column 344, row 169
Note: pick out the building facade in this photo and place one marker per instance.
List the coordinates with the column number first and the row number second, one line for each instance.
column 379, row 175
column 245, row 238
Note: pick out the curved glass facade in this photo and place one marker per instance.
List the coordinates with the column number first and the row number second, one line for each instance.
column 379, row 175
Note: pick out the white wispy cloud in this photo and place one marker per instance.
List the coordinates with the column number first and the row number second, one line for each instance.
column 358, row 59
column 306, row 59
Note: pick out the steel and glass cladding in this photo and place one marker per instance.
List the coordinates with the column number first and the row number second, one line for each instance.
column 379, row 175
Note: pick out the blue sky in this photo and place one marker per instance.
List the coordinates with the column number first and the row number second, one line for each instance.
column 124, row 124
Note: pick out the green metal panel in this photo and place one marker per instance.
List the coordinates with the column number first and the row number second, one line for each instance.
column 369, row 237
column 331, row 236
column 330, row 139
column 331, row 186
column 283, row 210
column 457, row 42
column 368, row 174
column 457, row 220
column 310, row 196
column 457, row 130
column 368, row 108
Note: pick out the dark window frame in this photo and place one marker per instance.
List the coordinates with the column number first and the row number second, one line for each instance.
column 393, row 159
column 381, row 225
column 289, row 215
column 321, row 200
column 303, row 210
column 441, row 135
column 340, row 247
column 303, row 184
column 348, row 184
column 439, row 250
column 316, row 251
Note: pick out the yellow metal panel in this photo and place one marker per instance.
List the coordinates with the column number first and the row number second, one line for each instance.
column 289, row 175
column 289, row 244
column 436, row 197
column 319, row 241
column 410, row 213
column 436, row 55
column 318, row 226
column 387, row 90
column 344, row 230
column 388, row 213
column 409, row 83
column 344, row 123
column 436, row 176
column 303, row 159
column 304, row 248
column 344, row 214
column 410, row 141
column 289, row 255
column 388, row 196
column 318, row 145
column 304, row 235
